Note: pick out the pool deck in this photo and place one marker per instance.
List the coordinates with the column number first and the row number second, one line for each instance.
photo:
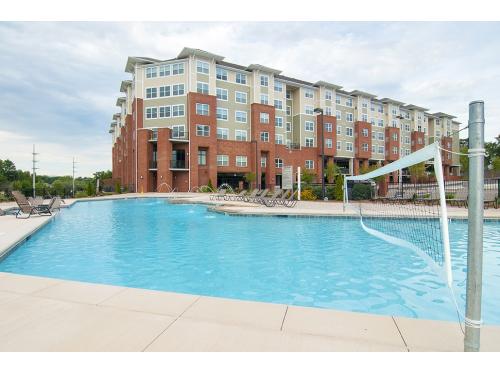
column 44, row 314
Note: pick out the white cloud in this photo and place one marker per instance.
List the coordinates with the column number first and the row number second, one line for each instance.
column 59, row 81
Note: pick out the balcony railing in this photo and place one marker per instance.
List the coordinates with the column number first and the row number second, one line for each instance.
column 154, row 136
column 178, row 164
column 294, row 146
column 153, row 164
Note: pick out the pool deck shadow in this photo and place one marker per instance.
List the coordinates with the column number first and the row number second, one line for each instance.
column 45, row 314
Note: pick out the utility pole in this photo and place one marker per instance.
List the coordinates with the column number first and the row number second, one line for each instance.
column 475, row 237
column 34, row 154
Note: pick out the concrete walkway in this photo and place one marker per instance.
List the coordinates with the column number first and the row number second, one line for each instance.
column 42, row 314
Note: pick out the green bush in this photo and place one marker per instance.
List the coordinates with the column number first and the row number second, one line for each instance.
column 81, row 194
column 361, row 191
column 449, row 195
column 338, row 190
column 330, row 192
column 118, row 188
column 316, row 190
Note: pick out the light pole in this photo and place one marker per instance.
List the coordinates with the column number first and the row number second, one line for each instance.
column 320, row 111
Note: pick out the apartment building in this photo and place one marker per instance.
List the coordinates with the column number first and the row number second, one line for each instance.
column 196, row 118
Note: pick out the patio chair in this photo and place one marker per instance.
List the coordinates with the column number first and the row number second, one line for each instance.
column 235, row 197
column 2, row 212
column 24, row 205
column 490, row 198
column 46, row 209
column 219, row 195
column 57, row 204
column 37, row 201
column 289, row 202
column 251, row 196
column 459, row 199
column 271, row 201
column 259, row 196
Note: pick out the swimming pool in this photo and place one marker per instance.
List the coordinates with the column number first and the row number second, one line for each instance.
column 320, row 262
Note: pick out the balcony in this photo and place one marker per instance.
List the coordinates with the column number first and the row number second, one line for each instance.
column 178, row 136
column 293, row 146
column 178, row 164
column 153, row 165
column 154, row 136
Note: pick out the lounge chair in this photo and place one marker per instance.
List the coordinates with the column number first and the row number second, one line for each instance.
column 490, row 198
column 26, row 208
column 37, row 201
column 289, row 202
column 271, row 201
column 251, row 196
column 459, row 198
column 56, row 204
column 259, row 196
column 235, row 197
column 2, row 212
column 219, row 195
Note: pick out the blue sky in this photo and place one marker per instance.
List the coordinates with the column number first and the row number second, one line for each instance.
column 59, row 80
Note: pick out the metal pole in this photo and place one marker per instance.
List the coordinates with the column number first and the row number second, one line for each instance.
column 34, row 172
column 323, row 195
column 475, row 237
column 298, row 184
column 73, row 191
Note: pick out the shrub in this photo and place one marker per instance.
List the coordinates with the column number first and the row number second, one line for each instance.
column 361, row 191
column 118, row 188
column 308, row 195
column 210, row 185
column 330, row 192
column 81, row 194
column 449, row 195
column 316, row 190
column 338, row 190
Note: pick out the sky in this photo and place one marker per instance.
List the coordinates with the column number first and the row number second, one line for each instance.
column 59, row 80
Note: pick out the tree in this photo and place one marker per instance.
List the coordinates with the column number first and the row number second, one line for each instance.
column 338, row 191
column 464, row 160
column 495, row 164
column 332, row 170
column 250, row 177
column 417, row 171
column 492, row 150
column 8, row 169
column 101, row 175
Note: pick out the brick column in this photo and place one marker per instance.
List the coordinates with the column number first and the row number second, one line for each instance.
column 164, row 156
column 143, row 156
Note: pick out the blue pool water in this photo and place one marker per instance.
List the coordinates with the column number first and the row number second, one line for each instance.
column 321, row 262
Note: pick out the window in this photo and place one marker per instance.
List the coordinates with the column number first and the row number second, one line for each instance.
column 364, row 146
column 348, row 102
column 222, row 113
column 394, row 124
column 364, row 104
column 288, row 110
column 365, row 132
column 222, row 133
column 289, row 95
column 240, row 116
column 178, row 110
column 348, row 146
column 338, row 115
column 278, row 104
column 241, row 78
column 264, row 118
column 164, row 70
column 374, row 149
column 349, row 117
column 288, row 127
column 221, row 74
column 240, row 135
column 419, row 140
column 328, row 111
column 263, row 161
column 438, row 133
column 309, row 94
column 394, row 110
column 394, row 136
column 278, row 163
column 339, row 145
column 222, row 160
column 309, row 126
column 395, row 150
column 328, row 143
column 164, row 91
column 202, row 109
column 374, row 135
column 364, row 117
column 328, row 127
column 264, row 136
column 151, row 92
column 407, row 127
column 202, row 88
column 278, row 122
column 381, row 149
column 241, row 161
column 178, row 131
column 372, row 121
column 202, row 130
column 328, row 95
column 240, row 97
column 407, row 140
column 202, row 157
column 372, row 107
column 278, row 86
column 380, row 136
column 151, row 112
column 264, row 99
column 337, row 99
column 202, row 67
column 380, row 108
column 309, row 164
column 151, row 72
column 178, row 69
column 339, row 129
column 309, row 110
column 264, row 80
column 165, row 111
column 278, row 139
column 221, row 94
column 178, row 89
column 309, row 142
column 381, row 123
column 348, row 132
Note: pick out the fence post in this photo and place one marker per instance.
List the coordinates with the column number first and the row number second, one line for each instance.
column 475, row 235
